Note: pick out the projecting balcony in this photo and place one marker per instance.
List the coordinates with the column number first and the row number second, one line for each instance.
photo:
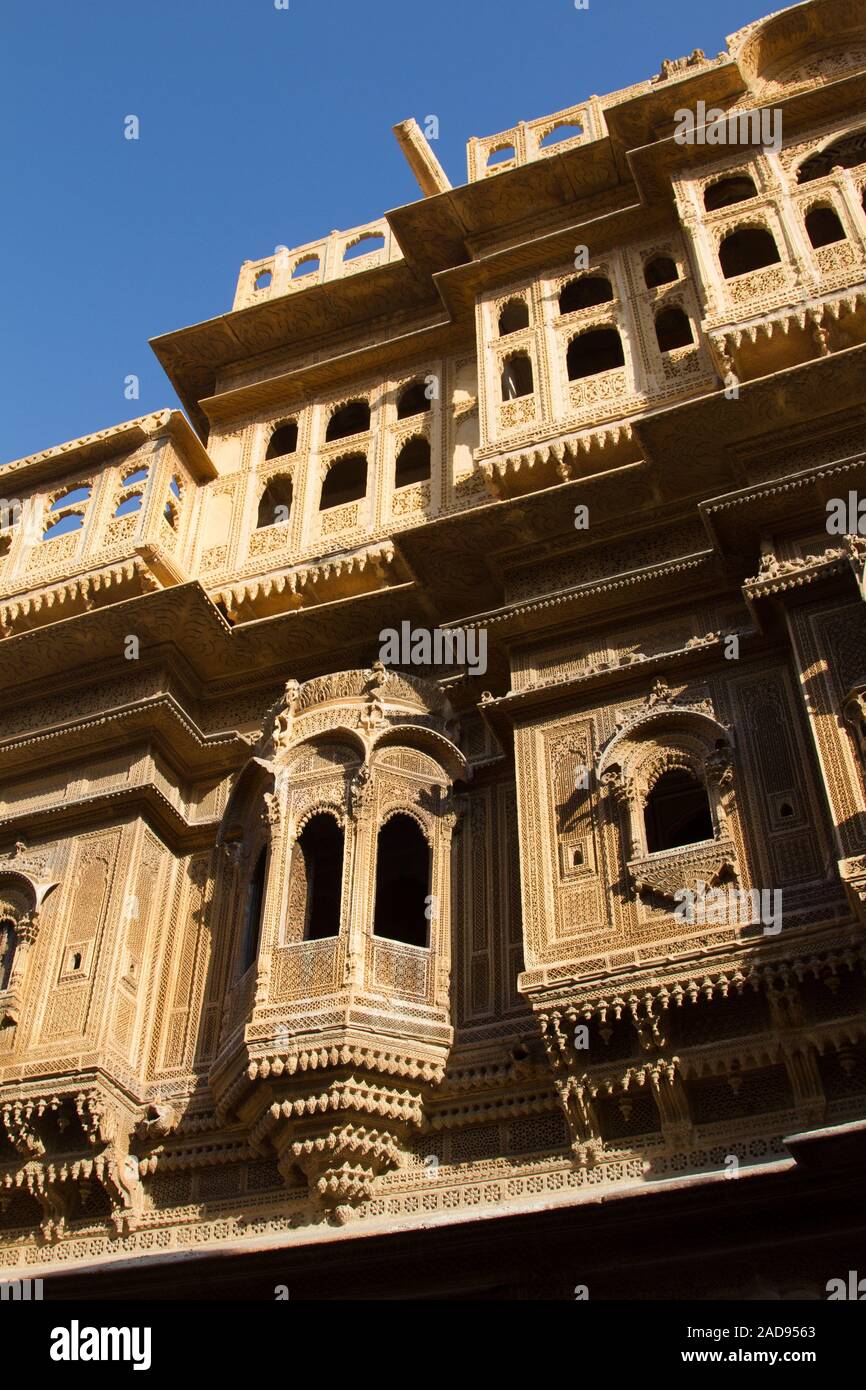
column 78, row 531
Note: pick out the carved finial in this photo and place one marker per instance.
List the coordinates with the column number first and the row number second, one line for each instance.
column 360, row 791
column 286, row 717
column 660, row 693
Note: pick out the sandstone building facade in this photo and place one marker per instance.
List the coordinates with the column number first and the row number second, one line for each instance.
column 304, row 956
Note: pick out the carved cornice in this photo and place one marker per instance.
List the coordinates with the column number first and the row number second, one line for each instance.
column 160, row 715
column 57, row 601
column 104, row 443
column 560, row 459
column 372, row 565
column 778, row 576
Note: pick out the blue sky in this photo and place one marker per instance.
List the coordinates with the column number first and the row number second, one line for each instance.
column 258, row 127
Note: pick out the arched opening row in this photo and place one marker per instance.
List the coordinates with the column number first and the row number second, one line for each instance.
column 403, row 880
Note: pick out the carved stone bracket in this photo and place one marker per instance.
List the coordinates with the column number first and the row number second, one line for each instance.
column 60, row 1169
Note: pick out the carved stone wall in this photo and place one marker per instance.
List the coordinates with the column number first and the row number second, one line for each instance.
column 184, row 1063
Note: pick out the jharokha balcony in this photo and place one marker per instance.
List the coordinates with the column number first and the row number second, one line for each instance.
column 101, row 519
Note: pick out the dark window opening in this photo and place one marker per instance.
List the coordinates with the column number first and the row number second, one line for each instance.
column 275, row 504
column 673, row 329
column 726, row 192
column 750, row 248
column 284, row 440
column 517, row 377
column 513, row 316
column 845, row 153
column 353, row 418
column 253, row 918
column 413, row 401
column 402, row 882
column 786, row 810
column 660, row 271
column 677, row 812
column 600, row 350
column 346, row 482
column 321, row 843
column 7, row 950
column 585, row 293
column 413, row 463
column 824, row 227
column 76, row 960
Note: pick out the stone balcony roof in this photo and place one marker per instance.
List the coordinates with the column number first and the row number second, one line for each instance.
column 102, row 444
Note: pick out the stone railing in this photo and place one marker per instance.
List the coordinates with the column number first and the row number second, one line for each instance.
column 289, row 269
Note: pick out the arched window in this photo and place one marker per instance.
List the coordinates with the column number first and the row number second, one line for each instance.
column 844, row 153
column 275, row 504
column 253, row 916
column 71, row 498
column 413, row 400
column 823, row 227
column 364, row 245
column 321, row 845
column 673, row 329
column 747, row 249
column 402, row 882
column 500, row 155
column 353, row 418
column 565, row 130
column 131, row 497
column 413, row 463
column 170, row 510
column 346, row 481
column 513, row 316
column 584, row 293
column 284, row 440
column 677, row 812
column 308, row 265
column 516, row 377
column 736, row 189
column 7, row 951
column 599, row 350
column 71, row 521
column 660, row 271
column 131, row 503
